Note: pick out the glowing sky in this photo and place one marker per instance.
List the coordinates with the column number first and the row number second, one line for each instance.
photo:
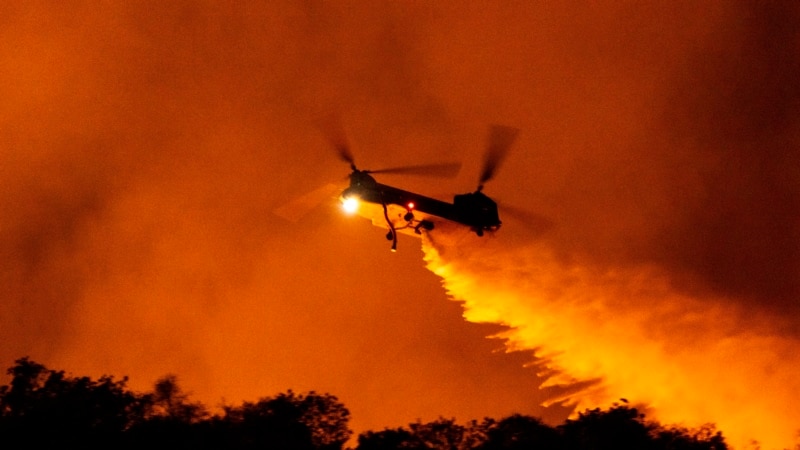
column 145, row 147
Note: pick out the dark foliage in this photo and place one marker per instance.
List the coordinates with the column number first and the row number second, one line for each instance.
column 43, row 408
column 619, row 428
column 289, row 420
column 443, row 434
column 170, row 420
column 623, row 427
column 704, row 438
column 519, row 432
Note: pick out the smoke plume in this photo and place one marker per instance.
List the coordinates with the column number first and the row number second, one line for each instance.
column 602, row 334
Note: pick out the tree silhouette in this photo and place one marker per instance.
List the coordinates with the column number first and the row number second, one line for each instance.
column 623, row 427
column 704, row 438
column 43, row 407
column 519, row 432
column 442, row 433
column 171, row 420
column 169, row 401
column 396, row 438
column 619, row 428
column 47, row 408
column 289, row 420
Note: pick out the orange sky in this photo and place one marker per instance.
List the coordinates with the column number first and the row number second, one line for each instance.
column 146, row 146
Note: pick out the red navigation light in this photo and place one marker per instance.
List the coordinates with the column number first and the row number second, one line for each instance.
column 411, row 205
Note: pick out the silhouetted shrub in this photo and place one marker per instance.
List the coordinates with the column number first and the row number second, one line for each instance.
column 43, row 408
column 289, row 420
column 47, row 408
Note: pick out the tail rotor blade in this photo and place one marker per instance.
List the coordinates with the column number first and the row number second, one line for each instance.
column 500, row 140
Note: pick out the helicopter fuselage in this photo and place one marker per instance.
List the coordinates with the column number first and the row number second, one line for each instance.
column 404, row 211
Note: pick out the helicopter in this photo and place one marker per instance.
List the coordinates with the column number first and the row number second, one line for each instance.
column 402, row 211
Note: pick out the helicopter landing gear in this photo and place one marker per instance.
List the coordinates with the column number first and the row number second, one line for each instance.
column 392, row 234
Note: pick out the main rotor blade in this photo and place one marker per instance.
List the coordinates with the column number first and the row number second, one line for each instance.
column 300, row 206
column 443, row 170
column 500, row 140
column 536, row 223
column 333, row 130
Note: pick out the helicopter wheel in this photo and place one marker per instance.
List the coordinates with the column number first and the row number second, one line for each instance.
column 479, row 232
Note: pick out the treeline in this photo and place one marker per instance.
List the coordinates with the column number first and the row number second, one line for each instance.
column 43, row 408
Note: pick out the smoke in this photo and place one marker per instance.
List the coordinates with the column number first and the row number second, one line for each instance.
column 670, row 276
column 145, row 146
column 627, row 333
